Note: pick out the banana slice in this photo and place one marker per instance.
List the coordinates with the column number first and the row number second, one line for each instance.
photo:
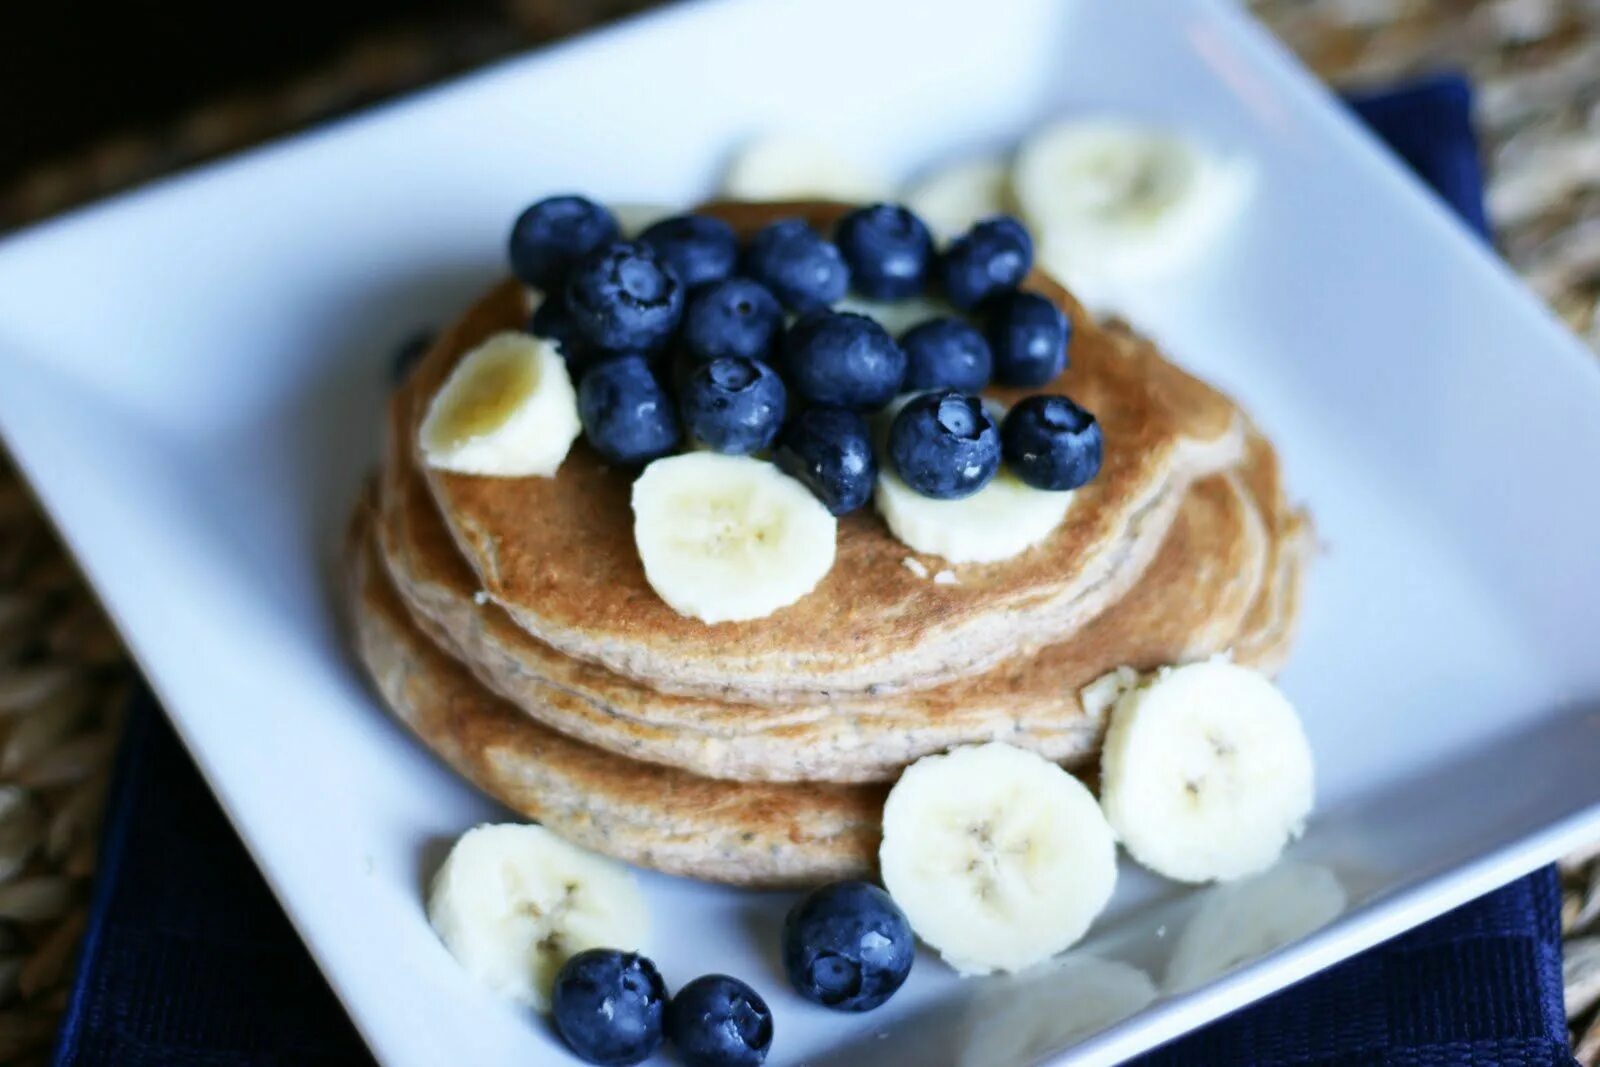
column 727, row 538
column 1206, row 773
column 999, row 858
column 798, row 166
column 1003, row 519
column 507, row 410
column 513, row 902
column 1012, row 518
column 1022, row 1019
column 1112, row 201
column 897, row 316
column 1240, row 921
column 1092, row 280
column 952, row 198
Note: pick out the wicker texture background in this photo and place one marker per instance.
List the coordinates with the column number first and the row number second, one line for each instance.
column 62, row 676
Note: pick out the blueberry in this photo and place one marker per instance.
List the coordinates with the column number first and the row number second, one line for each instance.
column 946, row 353
column 581, row 357
column 995, row 255
column 698, row 248
column 843, row 359
column 830, row 450
column 1028, row 335
column 717, row 1021
column 847, row 946
column 802, row 270
column 888, row 250
column 944, row 445
column 733, row 317
column 552, row 236
column 411, row 351
column 1052, row 443
column 623, row 297
column 733, row 405
column 627, row 416
column 609, row 1006
column 552, row 320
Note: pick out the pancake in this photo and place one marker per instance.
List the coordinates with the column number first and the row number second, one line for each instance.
column 558, row 553
column 1191, row 602
column 737, row 833
column 1269, row 628
column 748, row 834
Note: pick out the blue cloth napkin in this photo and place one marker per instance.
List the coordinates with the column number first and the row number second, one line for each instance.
column 1429, row 125
column 189, row 961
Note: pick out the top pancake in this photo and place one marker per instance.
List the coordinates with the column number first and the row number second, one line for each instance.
column 558, row 553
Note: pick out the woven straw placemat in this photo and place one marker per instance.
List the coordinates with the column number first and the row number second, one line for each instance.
column 1536, row 68
column 63, row 677
column 63, row 682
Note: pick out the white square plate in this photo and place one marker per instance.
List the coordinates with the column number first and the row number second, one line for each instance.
column 191, row 377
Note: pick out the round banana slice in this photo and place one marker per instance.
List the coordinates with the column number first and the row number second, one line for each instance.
column 727, row 538
column 1241, row 921
column 999, row 858
column 1003, row 519
column 507, row 410
column 952, row 198
column 1111, row 200
column 1092, row 280
column 798, row 166
column 1206, row 773
column 513, row 902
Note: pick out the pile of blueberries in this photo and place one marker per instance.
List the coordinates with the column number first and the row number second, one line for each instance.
column 846, row 946
column 682, row 334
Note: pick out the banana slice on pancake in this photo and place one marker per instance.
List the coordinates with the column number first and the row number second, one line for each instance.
column 1003, row 519
column 952, row 198
column 792, row 165
column 513, row 902
column 999, row 858
column 507, row 410
column 1113, row 201
column 726, row 538
column 1206, row 773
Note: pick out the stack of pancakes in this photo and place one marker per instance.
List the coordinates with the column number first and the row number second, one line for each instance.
column 509, row 624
